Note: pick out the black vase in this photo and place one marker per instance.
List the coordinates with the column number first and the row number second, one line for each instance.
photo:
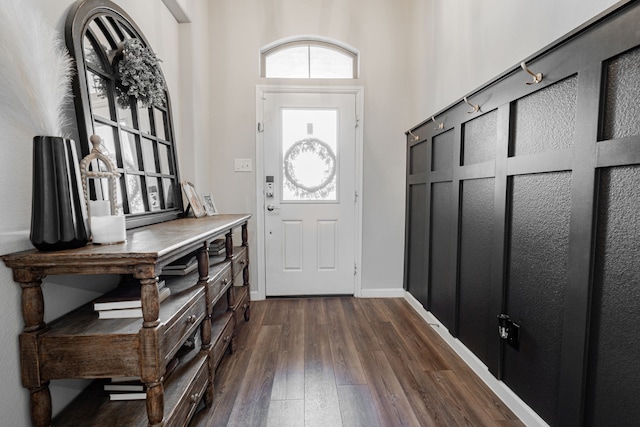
column 58, row 210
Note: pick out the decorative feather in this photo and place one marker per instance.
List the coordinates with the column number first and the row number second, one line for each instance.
column 35, row 72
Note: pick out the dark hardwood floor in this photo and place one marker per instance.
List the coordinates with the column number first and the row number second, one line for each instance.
column 332, row 362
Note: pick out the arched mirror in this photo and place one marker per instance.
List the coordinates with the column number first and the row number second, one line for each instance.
column 136, row 129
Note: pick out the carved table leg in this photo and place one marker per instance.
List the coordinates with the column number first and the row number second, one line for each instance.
column 33, row 316
column 155, row 404
column 41, row 405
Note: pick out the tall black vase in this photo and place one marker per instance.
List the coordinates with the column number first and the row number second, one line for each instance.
column 58, row 210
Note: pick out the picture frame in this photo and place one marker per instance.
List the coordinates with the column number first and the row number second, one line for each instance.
column 209, row 205
column 194, row 200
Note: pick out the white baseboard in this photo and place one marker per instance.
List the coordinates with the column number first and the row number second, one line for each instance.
column 382, row 293
column 527, row 415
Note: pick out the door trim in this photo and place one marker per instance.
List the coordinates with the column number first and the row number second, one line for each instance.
column 259, row 291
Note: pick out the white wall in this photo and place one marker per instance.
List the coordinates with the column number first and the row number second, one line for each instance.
column 378, row 29
column 469, row 42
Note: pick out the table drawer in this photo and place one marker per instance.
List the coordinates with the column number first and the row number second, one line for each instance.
column 180, row 327
column 218, row 285
column 242, row 306
column 240, row 259
column 190, row 399
column 224, row 338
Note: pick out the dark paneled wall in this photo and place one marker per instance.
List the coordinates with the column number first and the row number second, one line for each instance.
column 531, row 207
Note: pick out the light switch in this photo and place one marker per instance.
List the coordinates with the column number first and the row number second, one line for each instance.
column 243, row 165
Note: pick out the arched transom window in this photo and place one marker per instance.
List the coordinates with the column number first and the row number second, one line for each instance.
column 309, row 58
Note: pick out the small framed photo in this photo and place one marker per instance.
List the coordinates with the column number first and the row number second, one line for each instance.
column 209, row 205
column 194, row 201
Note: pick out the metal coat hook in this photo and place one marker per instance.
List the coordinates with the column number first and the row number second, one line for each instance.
column 537, row 77
column 440, row 125
column 415, row 137
column 476, row 108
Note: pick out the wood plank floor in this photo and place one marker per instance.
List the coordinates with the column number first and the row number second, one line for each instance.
column 331, row 362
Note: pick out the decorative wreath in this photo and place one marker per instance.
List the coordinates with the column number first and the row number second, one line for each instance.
column 322, row 151
column 140, row 75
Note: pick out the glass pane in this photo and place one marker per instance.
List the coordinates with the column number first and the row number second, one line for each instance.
column 328, row 63
column 292, row 63
column 102, row 40
column 622, row 93
column 134, row 189
column 309, row 154
column 108, row 147
column 90, row 55
column 169, row 191
column 144, row 124
column 160, row 124
column 125, row 118
column 130, row 155
column 153, row 192
column 148, row 156
column 545, row 120
column 163, row 156
column 99, row 95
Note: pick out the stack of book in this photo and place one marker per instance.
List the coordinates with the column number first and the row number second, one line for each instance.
column 126, row 388
column 132, row 388
column 218, row 247
column 124, row 301
column 181, row 266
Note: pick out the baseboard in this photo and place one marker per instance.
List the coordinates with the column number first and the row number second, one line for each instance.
column 527, row 415
column 382, row 293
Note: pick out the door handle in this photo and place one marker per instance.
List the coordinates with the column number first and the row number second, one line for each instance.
column 271, row 208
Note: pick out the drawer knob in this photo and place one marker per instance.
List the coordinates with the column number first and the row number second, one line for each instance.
column 245, row 306
column 195, row 397
column 192, row 318
column 225, row 281
column 226, row 339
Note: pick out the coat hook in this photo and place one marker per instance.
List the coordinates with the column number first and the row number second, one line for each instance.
column 415, row 137
column 537, row 78
column 476, row 108
column 440, row 125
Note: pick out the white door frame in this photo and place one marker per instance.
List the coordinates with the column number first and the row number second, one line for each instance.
column 261, row 91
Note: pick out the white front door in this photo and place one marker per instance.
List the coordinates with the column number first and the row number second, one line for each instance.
column 309, row 193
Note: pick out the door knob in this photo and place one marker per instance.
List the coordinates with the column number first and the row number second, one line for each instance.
column 271, row 208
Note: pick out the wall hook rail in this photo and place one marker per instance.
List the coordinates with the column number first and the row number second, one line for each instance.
column 415, row 137
column 537, row 77
column 476, row 108
column 440, row 125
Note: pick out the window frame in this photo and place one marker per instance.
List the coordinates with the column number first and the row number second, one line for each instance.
column 307, row 41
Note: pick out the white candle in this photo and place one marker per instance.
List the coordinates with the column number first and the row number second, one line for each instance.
column 108, row 229
column 99, row 208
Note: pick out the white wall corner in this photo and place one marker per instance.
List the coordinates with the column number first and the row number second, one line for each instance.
column 178, row 9
column 527, row 415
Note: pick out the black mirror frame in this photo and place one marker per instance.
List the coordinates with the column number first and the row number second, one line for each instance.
column 81, row 14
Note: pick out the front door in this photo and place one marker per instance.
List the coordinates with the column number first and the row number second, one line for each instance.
column 309, row 193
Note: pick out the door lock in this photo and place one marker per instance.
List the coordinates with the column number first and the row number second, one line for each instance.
column 271, row 208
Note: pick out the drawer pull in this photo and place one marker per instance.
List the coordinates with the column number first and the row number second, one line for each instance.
column 226, row 339
column 243, row 261
column 225, row 281
column 195, row 397
column 245, row 305
column 192, row 318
